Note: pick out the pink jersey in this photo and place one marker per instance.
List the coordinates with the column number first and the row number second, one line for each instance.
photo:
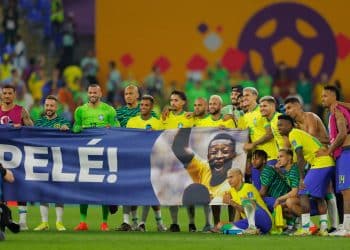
column 13, row 115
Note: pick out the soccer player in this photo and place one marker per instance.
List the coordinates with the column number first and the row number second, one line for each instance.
column 5, row 175
column 234, row 111
column 94, row 114
column 51, row 120
column 212, row 174
column 124, row 113
column 260, row 133
column 339, row 148
column 215, row 119
column 245, row 198
column 268, row 110
column 307, row 121
column 175, row 117
column 10, row 113
column 312, row 124
column 146, row 121
column 272, row 184
column 315, row 182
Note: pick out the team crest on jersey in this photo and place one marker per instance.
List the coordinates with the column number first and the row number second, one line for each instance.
column 100, row 117
column 294, row 143
column 180, row 125
column 148, row 127
column 5, row 120
column 255, row 122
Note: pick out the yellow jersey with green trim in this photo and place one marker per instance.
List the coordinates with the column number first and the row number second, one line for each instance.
column 257, row 125
column 177, row 121
column 281, row 143
column 200, row 172
column 310, row 145
column 248, row 191
column 150, row 124
column 209, row 122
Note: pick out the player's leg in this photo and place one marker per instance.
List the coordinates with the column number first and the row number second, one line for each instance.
column 105, row 213
column 22, row 210
column 44, row 212
column 59, row 217
column 82, row 226
column 174, row 211
column 191, row 215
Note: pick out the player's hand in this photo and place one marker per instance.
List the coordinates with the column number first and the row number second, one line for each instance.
column 64, row 128
column 17, row 125
column 189, row 115
column 322, row 152
column 248, row 146
column 227, row 198
column 165, row 112
column 277, row 202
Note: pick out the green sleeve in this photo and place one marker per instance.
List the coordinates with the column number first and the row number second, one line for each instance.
column 77, row 127
column 112, row 118
column 267, row 176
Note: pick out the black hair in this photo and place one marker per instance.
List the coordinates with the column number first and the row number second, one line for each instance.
column 287, row 118
column 8, row 86
column 224, row 136
column 292, row 99
column 148, row 97
column 260, row 153
column 333, row 89
column 181, row 94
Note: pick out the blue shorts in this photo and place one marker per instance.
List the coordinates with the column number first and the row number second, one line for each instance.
column 262, row 221
column 270, row 201
column 256, row 178
column 316, row 182
column 342, row 171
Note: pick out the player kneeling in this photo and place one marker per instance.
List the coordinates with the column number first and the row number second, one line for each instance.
column 245, row 198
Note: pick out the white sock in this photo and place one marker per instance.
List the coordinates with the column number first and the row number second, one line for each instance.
column 174, row 210
column 206, row 209
column 305, row 221
column 323, row 222
column 44, row 212
column 158, row 216
column 346, row 222
column 22, row 214
column 59, row 213
column 249, row 211
column 126, row 218
column 332, row 210
column 126, row 214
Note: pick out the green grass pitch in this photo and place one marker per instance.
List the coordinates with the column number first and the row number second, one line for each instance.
column 96, row 240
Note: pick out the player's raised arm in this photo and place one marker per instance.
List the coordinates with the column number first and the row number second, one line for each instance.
column 180, row 146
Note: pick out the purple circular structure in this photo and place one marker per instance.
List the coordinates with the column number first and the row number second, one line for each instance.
column 286, row 16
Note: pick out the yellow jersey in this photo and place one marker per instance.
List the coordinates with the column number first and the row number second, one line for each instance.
column 310, row 145
column 177, row 121
column 151, row 124
column 248, row 191
column 200, row 172
column 257, row 125
column 209, row 122
column 281, row 143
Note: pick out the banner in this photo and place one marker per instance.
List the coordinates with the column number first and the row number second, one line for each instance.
column 120, row 166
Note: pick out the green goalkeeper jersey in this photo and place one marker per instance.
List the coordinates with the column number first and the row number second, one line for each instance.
column 101, row 116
